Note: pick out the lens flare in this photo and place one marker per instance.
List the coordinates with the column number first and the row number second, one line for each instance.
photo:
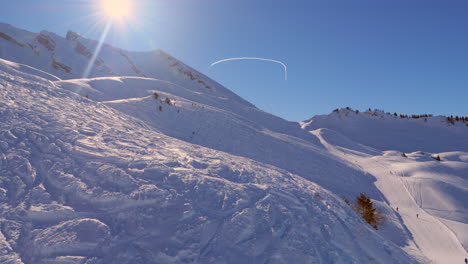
column 116, row 9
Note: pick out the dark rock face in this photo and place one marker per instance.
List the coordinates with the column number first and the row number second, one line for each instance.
column 80, row 48
column 72, row 35
column 5, row 36
column 83, row 50
column 58, row 65
column 46, row 41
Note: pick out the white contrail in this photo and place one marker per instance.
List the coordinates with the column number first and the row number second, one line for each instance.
column 253, row 58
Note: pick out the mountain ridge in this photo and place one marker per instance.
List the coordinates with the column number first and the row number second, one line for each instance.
column 373, row 128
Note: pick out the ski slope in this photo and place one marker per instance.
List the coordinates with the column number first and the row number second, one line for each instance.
column 430, row 195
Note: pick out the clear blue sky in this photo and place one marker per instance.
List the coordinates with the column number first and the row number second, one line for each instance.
column 409, row 56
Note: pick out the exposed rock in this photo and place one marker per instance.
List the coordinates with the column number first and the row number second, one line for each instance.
column 58, row 65
column 71, row 35
column 83, row 50
column 5, row 36
column 46, row 41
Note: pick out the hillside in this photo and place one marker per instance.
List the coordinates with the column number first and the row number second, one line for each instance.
column 415, row 181
column 385, row 131
column 83, row 183
column 150, row 161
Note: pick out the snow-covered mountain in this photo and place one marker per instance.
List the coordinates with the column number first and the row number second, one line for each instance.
column 392, row 131
column 69, row 57
column 401, row 152
column 150, row 161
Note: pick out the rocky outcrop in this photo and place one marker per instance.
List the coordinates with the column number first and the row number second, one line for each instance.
column 71, row 35
column 82, row 50
column 5, row 36
column 46, row 41
column 60, row 66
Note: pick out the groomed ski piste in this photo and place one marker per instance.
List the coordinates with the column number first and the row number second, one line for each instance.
column 149, row 161
column 431, row 195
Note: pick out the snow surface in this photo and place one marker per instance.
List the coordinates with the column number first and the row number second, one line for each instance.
column 384, row 131
column 99, row 170
column 417, row 184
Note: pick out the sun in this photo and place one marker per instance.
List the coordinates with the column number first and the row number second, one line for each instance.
column 116, row 9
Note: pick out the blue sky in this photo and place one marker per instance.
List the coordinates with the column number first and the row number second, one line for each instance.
column 408, row 56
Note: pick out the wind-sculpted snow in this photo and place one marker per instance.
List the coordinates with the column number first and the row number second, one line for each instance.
column 81, row 182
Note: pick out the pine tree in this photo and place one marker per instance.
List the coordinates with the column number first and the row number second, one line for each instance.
column 365, row 208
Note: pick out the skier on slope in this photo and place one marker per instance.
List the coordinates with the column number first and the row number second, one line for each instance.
column 466, row 261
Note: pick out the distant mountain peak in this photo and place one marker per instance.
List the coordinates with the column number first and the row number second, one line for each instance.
column 72, row 35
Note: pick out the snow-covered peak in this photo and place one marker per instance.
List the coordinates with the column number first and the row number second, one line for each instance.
column 68, row 57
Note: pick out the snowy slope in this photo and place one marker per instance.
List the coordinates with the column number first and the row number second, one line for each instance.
column 417, row 184
column 81, row 182
column 225, row 125
column 375, row 128
column 204, row 178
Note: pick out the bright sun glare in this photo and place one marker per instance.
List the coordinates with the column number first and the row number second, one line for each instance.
column 116, row 9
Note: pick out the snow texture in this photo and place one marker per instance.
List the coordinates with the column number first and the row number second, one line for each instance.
column 149, row 161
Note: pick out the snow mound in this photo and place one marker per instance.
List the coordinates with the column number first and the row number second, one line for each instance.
column 28, row 69
column 74, row 237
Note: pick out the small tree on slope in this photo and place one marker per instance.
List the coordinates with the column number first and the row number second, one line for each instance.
column 365, row 208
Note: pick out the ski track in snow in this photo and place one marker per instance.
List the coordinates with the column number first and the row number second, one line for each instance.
column 432, row 237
